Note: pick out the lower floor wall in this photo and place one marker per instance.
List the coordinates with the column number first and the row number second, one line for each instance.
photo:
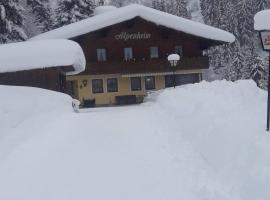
column 101, row 90
column 47, row 78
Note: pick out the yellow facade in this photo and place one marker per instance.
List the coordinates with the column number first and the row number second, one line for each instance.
column 83, row 86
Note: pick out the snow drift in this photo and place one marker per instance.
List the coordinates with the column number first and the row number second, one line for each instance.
column 195, row 142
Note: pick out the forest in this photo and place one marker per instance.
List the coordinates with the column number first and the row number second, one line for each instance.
column 244, row 59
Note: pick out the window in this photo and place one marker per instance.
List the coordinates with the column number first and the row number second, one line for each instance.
column 188, row 78
column 128, row 53
column 153, row 52
column 136, row 84
column 181, row 79
column 150, row 83
column 169, row 81
column 97, row 86
column 101, row 55
column 112, row 85
column 179, row 50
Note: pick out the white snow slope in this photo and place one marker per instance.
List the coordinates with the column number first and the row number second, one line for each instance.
column 197, row 142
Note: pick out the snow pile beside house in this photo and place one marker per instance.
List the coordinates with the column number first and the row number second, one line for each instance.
column 195, row 142
column 261, row 20
column 24, row 104
column 41, row 54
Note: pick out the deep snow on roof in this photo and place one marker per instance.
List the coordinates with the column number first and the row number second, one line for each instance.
column 41, row 54
column 261, row 20
column 129, row 12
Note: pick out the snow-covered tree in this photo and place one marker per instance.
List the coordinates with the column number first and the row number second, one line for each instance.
column 70, row 11
column 11, row 21
column 120, row 3
column 179, row 8
column 240, row 60
column 259, row 71
column 159, row 5
column 175, row 7
column 42, row 14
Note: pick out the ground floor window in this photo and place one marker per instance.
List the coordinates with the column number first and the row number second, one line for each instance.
column 97, row 86
column 112, row 85
column 181, row 79
column 136, row 84
column 150, row 83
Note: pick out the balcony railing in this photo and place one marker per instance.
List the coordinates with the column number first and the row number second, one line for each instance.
column 138, row 66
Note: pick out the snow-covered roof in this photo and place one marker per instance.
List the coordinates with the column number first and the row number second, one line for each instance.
column 129, row 12
column 42, row 54
column 261, row 20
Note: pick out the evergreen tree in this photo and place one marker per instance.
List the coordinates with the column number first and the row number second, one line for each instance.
column 241, row 59
column 121, row 3
column 70, row 11
column 159, row 5
column 11, row 21
column 175, row 7
column 259, row 71
column 178, row 8
column 42, row 13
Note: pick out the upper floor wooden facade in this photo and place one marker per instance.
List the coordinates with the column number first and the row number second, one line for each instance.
column 140, row 46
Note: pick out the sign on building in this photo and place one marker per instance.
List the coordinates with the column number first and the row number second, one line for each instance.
column 132, row 36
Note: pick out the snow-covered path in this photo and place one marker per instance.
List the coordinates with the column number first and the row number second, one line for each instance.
column 201, row 142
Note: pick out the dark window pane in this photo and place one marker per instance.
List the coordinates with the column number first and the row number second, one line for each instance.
column 136, row 84
column 181, row 79
column 97, row 86
column 112, row 85
column 128, row 53
column 153, row 52
column 101, row 55
column 150, row 83
column 179, row 50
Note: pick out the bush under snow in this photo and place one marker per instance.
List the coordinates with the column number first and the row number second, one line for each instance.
column 204, row 141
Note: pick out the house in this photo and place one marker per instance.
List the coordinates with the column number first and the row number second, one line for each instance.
column 126, row 52
column 43, row 64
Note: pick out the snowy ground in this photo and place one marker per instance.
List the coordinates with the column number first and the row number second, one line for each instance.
column 197, row 142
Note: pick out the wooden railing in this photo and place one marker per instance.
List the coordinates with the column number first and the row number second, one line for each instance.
column 161, row 64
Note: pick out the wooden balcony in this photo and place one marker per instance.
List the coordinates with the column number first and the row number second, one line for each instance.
column 144, row 66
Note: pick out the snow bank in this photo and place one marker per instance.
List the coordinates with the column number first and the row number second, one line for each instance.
column 195, row 142
column 261, row 20
column 23, row 111
column 41, row 54
column 129, row 12
column 17, row 104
